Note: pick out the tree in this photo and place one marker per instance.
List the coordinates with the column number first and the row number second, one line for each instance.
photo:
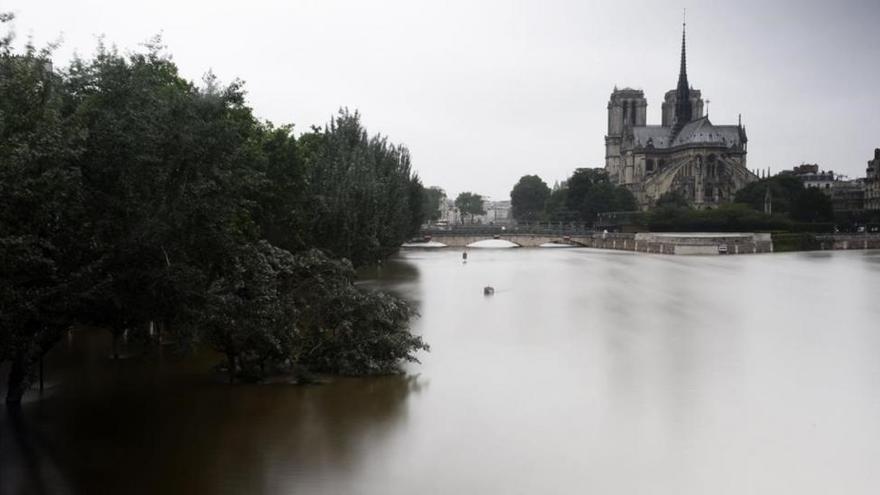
column 345, row 329
column 129, row 195
column 555, row 208
column 783, row 189
column 431, row 201
column 41, row 211
column 469, row 203
column 672, row 199
column 171, row 174
column 528, row 198
column 624, row 200
column 273, row 311
column 812, row 205
column 589, row 192
column 250, row 316
column 359, row 197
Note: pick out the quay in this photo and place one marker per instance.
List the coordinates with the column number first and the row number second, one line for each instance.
column 677, row 243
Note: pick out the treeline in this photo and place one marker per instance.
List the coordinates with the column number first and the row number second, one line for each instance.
column 794, row 208
column 580, row 198
column 134, row 200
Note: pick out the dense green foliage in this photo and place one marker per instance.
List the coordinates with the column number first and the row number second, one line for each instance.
column 788, row 195
column 783, row 190
column 794, row 209
column 672, row 199
column 131, row 199
column 788, row 241
column 734, row 217
column 361, row 198
column 812, row 205
column 528, row 197
column 431, row 201
column 469, row 203
column 584, row 195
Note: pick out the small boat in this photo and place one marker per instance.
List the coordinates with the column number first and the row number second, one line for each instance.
column 488, row 290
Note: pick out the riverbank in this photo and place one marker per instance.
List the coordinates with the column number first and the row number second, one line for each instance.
column 686, row 243
column 675, row 243
column 732, row 243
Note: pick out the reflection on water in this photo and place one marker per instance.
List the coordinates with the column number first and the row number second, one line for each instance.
column 587, row 371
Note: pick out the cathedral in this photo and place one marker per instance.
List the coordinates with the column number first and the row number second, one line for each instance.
column 686, row 153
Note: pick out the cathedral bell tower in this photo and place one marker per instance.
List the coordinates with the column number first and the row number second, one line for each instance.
column 627, row 108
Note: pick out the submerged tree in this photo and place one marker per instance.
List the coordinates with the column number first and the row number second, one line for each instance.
column 273, row 311
column 41, row 209
column 132, row 198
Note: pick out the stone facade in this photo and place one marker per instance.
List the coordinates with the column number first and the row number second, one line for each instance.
column 872, row 183
column 687, row 154
column 497, row 213
column 848, row 195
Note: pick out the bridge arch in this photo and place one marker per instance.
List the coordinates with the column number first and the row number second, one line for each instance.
column 497, row 243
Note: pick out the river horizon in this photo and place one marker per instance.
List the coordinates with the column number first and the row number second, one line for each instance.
column 585, row 371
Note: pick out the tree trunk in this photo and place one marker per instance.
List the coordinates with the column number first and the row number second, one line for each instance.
column 17, row 383
column 230, row 358
column 163, row 327
column 116, row 333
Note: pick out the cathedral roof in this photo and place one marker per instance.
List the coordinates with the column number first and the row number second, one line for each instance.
column 655, row 135
column 700, row 131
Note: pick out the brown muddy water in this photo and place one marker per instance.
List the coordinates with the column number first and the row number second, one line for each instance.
column 586, row 372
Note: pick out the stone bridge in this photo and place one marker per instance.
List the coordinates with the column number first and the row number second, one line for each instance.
column 452, row 239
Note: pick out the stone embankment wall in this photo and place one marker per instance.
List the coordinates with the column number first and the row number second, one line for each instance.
column 685, row 243
column 745, row 243
column 848, row 241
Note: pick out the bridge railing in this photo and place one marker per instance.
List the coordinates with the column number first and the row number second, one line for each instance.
column 533, row 229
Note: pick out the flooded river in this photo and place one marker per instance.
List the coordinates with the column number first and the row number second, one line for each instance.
column 586, row 372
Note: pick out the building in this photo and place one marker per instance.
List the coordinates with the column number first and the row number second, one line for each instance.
column 848, row 196
column 686, row 153
column 872, row 183
column 812, row 177
column 497, row 213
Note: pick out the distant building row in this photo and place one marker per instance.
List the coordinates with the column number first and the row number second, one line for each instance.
column 847, row 195
column 872, row 183
column 497, row 213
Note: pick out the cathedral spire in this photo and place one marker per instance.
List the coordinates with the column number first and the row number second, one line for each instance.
column 683, row 108
column 682, row 73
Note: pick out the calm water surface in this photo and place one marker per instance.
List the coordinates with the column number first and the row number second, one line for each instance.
column 586, row 372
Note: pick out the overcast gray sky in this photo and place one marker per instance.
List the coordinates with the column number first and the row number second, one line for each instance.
column 485, row 92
